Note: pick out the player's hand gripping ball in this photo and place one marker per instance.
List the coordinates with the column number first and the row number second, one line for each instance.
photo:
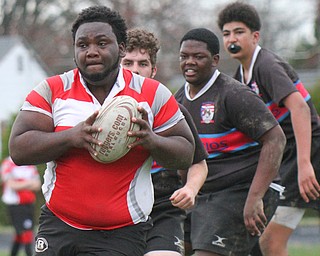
column 115, row 120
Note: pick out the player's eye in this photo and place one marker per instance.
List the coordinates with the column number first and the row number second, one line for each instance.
column 199, row 57
column 127, row 64
column 182, row 57
column 102, row 43
column 81, row 45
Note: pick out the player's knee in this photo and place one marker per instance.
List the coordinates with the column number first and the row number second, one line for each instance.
column 269, row 246
column 266, row 244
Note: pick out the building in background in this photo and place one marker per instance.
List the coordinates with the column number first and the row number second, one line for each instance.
column 20, row 71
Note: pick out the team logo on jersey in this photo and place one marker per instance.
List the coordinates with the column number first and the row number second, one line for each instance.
column 207, row 112
column 41, row 244
column 219, row 241
column 255, row 88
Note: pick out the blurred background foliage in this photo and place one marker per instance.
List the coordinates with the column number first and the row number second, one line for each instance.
column 46, row 25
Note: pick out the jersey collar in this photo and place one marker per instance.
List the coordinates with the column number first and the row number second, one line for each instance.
column 204, row 89
column 254, row 57
column 116, row 88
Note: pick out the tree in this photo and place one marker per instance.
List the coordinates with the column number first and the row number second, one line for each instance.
column 317, row 23
column 42, row 23
column 46, row 25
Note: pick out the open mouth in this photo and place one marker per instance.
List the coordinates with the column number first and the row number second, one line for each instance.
column 190, row 72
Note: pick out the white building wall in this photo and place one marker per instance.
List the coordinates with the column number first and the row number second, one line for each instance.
column 19, row 74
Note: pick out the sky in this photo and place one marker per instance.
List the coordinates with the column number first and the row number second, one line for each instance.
column 302, row 12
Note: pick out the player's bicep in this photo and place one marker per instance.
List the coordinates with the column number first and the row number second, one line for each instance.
column 179, row 129
column 30, row 120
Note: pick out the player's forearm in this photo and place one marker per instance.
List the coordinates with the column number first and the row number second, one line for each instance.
column 197, row 175
column 301, row 123
column 35, row 147
column 273, row 143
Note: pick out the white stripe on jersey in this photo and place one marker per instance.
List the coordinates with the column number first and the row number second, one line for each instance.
column 139, row 197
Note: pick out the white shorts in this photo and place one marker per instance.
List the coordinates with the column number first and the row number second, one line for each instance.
column 288, row 216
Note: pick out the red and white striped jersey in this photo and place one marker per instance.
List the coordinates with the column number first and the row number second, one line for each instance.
column 10, row 171
column 82, row 192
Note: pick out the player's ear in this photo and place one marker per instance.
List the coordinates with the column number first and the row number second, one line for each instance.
column 256, row 36
column 154, row 72
column 122, row 50
column 215, row 60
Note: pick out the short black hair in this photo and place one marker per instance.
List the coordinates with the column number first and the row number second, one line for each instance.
column 203, row 35
column 241, row 12
column 102, row 14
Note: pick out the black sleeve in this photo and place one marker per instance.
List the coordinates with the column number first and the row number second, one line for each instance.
column 248, row 113
column 179, row 95
column 200, row 152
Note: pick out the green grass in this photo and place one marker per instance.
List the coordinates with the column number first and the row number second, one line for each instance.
column 6, row 253
column 294, row 249
column 301, row 250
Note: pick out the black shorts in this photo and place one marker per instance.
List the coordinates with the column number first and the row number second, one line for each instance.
column 217, row 223
column 167, row 231
column 57, row 238
column 187, row 228
column 165, row 182
column 21, row 217
column 289, row 175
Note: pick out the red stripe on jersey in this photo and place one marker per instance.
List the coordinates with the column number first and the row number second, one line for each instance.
column 76, row 90
column 281, row 112
column 150, row 90
column 127, row 76
column 166, row 112
column 36, row 100
column 111, row 199
column 229, row 142
column 98, row 186
column 58, row 89
column 155, row 166
column 278, row 112
column 130, row 92
column 55, row 81
column 302, row 89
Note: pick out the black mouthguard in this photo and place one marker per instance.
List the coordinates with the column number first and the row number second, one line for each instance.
column 233, row 48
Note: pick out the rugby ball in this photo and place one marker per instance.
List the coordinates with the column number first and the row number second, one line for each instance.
column 115, row 120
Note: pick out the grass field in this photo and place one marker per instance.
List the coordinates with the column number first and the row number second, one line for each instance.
column 295, row 249
column 303, row 250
